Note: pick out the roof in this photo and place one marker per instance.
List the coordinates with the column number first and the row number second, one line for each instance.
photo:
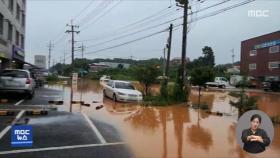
column 262, row 35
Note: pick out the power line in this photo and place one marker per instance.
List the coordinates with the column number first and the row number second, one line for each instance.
column 128, row 42
column 197, row 19
column 223, row 10
column 147, row 19
column 104, row 14
column 61, row 35
column 133, row 33
column 95, row 12
column 132, row 24
column 84, row 9
column 148, row 28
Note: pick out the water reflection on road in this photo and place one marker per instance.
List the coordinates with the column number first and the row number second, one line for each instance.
column 176, row 131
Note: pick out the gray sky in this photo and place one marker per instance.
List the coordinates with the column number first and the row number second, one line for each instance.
column 47, row 19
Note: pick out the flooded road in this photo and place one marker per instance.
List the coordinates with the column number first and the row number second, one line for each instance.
column 175, row 131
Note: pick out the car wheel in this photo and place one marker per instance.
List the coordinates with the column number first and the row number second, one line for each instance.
column 30, row 95
column 115, row 98
column 222, row 86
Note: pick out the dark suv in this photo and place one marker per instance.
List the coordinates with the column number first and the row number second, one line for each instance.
column 271, row 85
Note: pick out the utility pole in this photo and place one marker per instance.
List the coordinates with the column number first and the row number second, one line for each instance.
column 169, row 50
column 50, row 46
column 53, row 64
column 72, row 31
column 185, row 5
column 232, row 51
column 64, row 58
column 82, row 49
column 164, row 62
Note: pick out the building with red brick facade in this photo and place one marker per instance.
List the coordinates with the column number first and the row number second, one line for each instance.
column 260, row 57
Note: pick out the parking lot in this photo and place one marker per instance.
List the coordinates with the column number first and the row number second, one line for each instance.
column 60, row 133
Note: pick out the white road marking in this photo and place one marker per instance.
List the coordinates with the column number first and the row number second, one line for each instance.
column 19, row 116
column 58, row 148
column 98, row 134
column 4, row 131
column 19, row 102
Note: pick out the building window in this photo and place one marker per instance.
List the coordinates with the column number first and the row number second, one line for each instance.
column 22, row 41
column 10, row 32
column 11, row 5
column 253, row 66
column 273, row 65
column 17, row 38
column 18, row 12
column 274, row 49
column 1, row 24
column 23, row 20
column 253, row 52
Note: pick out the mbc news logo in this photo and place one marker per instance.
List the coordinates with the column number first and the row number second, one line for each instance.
column 21, row 136
column 258, row 13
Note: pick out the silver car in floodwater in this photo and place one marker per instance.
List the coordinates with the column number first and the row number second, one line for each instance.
column 17, row 81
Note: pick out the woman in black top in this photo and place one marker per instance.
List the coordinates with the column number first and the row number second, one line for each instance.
column 255, row 139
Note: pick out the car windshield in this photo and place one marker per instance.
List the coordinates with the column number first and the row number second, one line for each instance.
column 14, row 73
column 123, row 85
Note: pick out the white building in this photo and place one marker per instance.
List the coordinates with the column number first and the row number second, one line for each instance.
column 40, row 61
column 12, row 33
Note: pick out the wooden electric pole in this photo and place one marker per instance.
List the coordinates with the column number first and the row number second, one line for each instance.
column 168, row 50
column 50, row 46
column 185, row 5
column 72, row 31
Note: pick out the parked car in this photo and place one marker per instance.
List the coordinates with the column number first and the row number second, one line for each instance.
column 271, row 85
column 220, row 82
column 237, row 81
column 17, row 81
column 122, row 91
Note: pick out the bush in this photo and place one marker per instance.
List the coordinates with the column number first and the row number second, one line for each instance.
column 245, row 103
column 52, row 78
column 204, row 106
column 275, row 119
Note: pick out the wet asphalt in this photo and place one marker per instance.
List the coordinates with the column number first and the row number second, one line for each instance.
column 60, row 134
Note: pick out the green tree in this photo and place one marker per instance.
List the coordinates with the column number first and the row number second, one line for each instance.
column 245, row 102
column 120, row 66
column 180, row 91
column 201, row 75
column 209, row 58
column 146, row 75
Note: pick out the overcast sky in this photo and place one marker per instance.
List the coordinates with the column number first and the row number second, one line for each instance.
column 47, row 19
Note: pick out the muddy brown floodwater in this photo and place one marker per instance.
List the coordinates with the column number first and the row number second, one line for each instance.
column 176, row 131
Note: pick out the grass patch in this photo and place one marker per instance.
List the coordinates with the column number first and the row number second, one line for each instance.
column 159, row 101
column 234, row 94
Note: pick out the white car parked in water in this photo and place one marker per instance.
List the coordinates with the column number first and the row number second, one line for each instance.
column 122, row 91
